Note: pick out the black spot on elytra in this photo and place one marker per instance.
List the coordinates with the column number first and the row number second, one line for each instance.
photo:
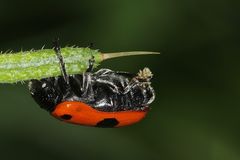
column 108, row 122
column 66, row 116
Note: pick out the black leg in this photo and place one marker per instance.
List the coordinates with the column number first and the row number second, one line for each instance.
column 91, row 60
column 90, row 64
column 57, row 50
column 87, row 86
column 86, row 82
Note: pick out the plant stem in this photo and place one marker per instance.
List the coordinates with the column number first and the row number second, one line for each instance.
column 22, row 66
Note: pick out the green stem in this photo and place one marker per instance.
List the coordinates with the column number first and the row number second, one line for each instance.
column 43, row 63
column 21, row 66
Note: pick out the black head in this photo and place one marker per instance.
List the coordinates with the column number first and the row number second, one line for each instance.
column 46, row 93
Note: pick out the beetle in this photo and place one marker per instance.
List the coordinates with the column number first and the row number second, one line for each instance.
column 104, row 98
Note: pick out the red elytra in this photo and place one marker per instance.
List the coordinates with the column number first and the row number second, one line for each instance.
column 83, row 114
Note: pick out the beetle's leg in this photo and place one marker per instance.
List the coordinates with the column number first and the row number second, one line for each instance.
column 140, row 85
column 126, row 74
column 110, row 84
column 87, row 90
column 91, row 62
column 103, row 72
column 152, row 96
column 142, row 79
column 131, row 84
column 57, row 50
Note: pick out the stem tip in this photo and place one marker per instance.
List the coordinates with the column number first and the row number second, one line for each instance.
column 122, row 54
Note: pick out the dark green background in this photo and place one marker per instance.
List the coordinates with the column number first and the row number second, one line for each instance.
column 196, row 112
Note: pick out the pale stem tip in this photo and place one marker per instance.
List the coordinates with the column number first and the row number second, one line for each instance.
column 122, row 54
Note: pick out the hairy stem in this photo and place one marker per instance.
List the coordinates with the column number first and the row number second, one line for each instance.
column 22, row 66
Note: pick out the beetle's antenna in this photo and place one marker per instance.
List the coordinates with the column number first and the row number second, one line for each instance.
column 57, row 50
column 122, row 54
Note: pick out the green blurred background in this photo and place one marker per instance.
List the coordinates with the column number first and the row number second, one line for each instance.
column 196, row 112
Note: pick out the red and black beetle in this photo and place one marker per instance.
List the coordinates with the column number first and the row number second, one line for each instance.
column 103, row 99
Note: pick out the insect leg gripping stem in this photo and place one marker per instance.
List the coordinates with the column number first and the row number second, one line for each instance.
column 91, row 62
column 57, row 50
